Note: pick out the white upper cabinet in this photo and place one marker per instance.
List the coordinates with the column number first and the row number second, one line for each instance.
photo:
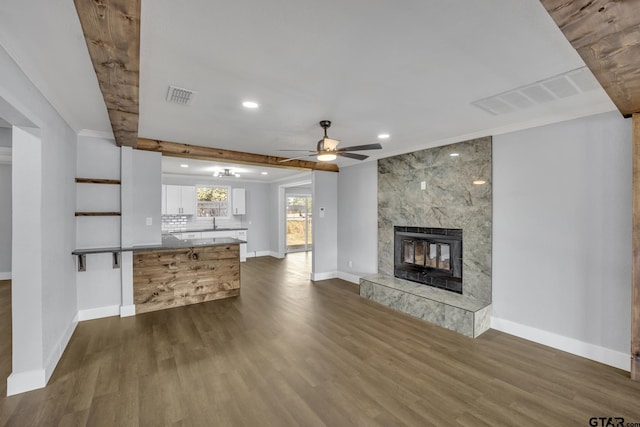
column 238, row 202
column 179, row 200
column 188, row 200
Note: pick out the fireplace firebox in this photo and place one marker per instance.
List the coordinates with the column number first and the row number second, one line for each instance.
column 431, row 256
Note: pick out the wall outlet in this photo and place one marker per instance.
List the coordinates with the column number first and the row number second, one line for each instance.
column 149, row 220
column 350, row 264
column 423, row 185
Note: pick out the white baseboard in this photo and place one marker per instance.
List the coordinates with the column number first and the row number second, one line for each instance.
column 58, row 349
column 274, row 254
column 256, row 254
column 349, row 277
column 5, row 275
column 570, row 345
column 324, row 276
column 99, row 312
column 38, row 378
column 25, row 381
column 127, row 310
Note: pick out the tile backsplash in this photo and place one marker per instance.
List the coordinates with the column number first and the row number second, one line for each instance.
column 189, row 222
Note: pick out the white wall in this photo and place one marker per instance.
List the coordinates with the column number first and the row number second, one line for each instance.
column 147, row 197
column 325, row 225
column 562, row 236
column 5, row 209
column 5, row 137
column 97, row 158
column 44, row 302
column 99, row 285
column 358, row 220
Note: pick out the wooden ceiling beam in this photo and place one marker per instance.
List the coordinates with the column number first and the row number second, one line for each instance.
column 606, row 34
column 112, row 32
column 175, row 149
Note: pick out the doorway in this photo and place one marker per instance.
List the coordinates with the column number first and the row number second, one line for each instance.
column 299, row 222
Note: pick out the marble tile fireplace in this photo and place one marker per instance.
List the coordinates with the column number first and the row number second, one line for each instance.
column 426, row 200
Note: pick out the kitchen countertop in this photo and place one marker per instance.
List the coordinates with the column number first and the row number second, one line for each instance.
column 187, row 230
column 168, row 242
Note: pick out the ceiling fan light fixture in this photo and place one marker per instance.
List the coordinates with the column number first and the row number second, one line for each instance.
column 326, row 156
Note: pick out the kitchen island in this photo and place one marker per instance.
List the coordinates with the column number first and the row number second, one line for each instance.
column 185, row 271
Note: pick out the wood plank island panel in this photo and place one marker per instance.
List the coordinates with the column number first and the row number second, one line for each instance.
column 167, row 278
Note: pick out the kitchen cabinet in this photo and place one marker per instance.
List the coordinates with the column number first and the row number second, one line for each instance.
column 189, row 235
column 179, row 200
column 238, row 202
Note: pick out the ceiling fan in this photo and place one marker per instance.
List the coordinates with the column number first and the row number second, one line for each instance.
column 327, row 151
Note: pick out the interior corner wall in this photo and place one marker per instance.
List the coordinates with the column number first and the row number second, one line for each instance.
column 325, row 225
column 43, row 269
column 358, row 219
column 5, row 209
column 562, row 235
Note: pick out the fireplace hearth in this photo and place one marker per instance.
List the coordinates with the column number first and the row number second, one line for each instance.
column 431, row 256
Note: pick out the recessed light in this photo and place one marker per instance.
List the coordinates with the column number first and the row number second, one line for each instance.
column 264, row 173
column 479, row 182
column 184, row 165
column 250, row 104
column 383, row 136
column 454, row 154
column 237, row 176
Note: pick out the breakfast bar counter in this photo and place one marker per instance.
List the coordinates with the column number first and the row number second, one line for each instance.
column 182, row 272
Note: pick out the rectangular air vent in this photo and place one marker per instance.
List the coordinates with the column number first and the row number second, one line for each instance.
column 561, row 86
column 179, row 95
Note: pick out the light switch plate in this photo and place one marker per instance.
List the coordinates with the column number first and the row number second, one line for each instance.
column 149, row 220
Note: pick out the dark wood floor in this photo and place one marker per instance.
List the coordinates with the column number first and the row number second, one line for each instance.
column 292, row 352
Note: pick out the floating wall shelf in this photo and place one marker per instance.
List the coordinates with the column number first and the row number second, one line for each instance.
column 97, row 181
column 97, row 213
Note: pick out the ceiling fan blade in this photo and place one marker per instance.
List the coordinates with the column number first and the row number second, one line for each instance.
column 351, row 155
column 375, row 146
column 307, row 151
column 296, row 158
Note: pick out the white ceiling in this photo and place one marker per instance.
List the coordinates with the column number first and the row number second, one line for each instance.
column 172, row 166
column 410, row 68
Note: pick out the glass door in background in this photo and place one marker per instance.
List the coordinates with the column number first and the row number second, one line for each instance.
column 299, row 223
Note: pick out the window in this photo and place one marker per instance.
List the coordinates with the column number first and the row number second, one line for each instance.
column 212, row 201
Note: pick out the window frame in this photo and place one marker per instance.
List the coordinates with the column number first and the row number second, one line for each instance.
column 208, row 218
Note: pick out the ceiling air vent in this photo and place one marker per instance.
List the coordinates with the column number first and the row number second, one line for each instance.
column 556, row 87
column 179, row 95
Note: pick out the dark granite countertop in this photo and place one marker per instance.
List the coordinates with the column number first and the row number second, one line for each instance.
column 187, row 230
column 168, row 242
